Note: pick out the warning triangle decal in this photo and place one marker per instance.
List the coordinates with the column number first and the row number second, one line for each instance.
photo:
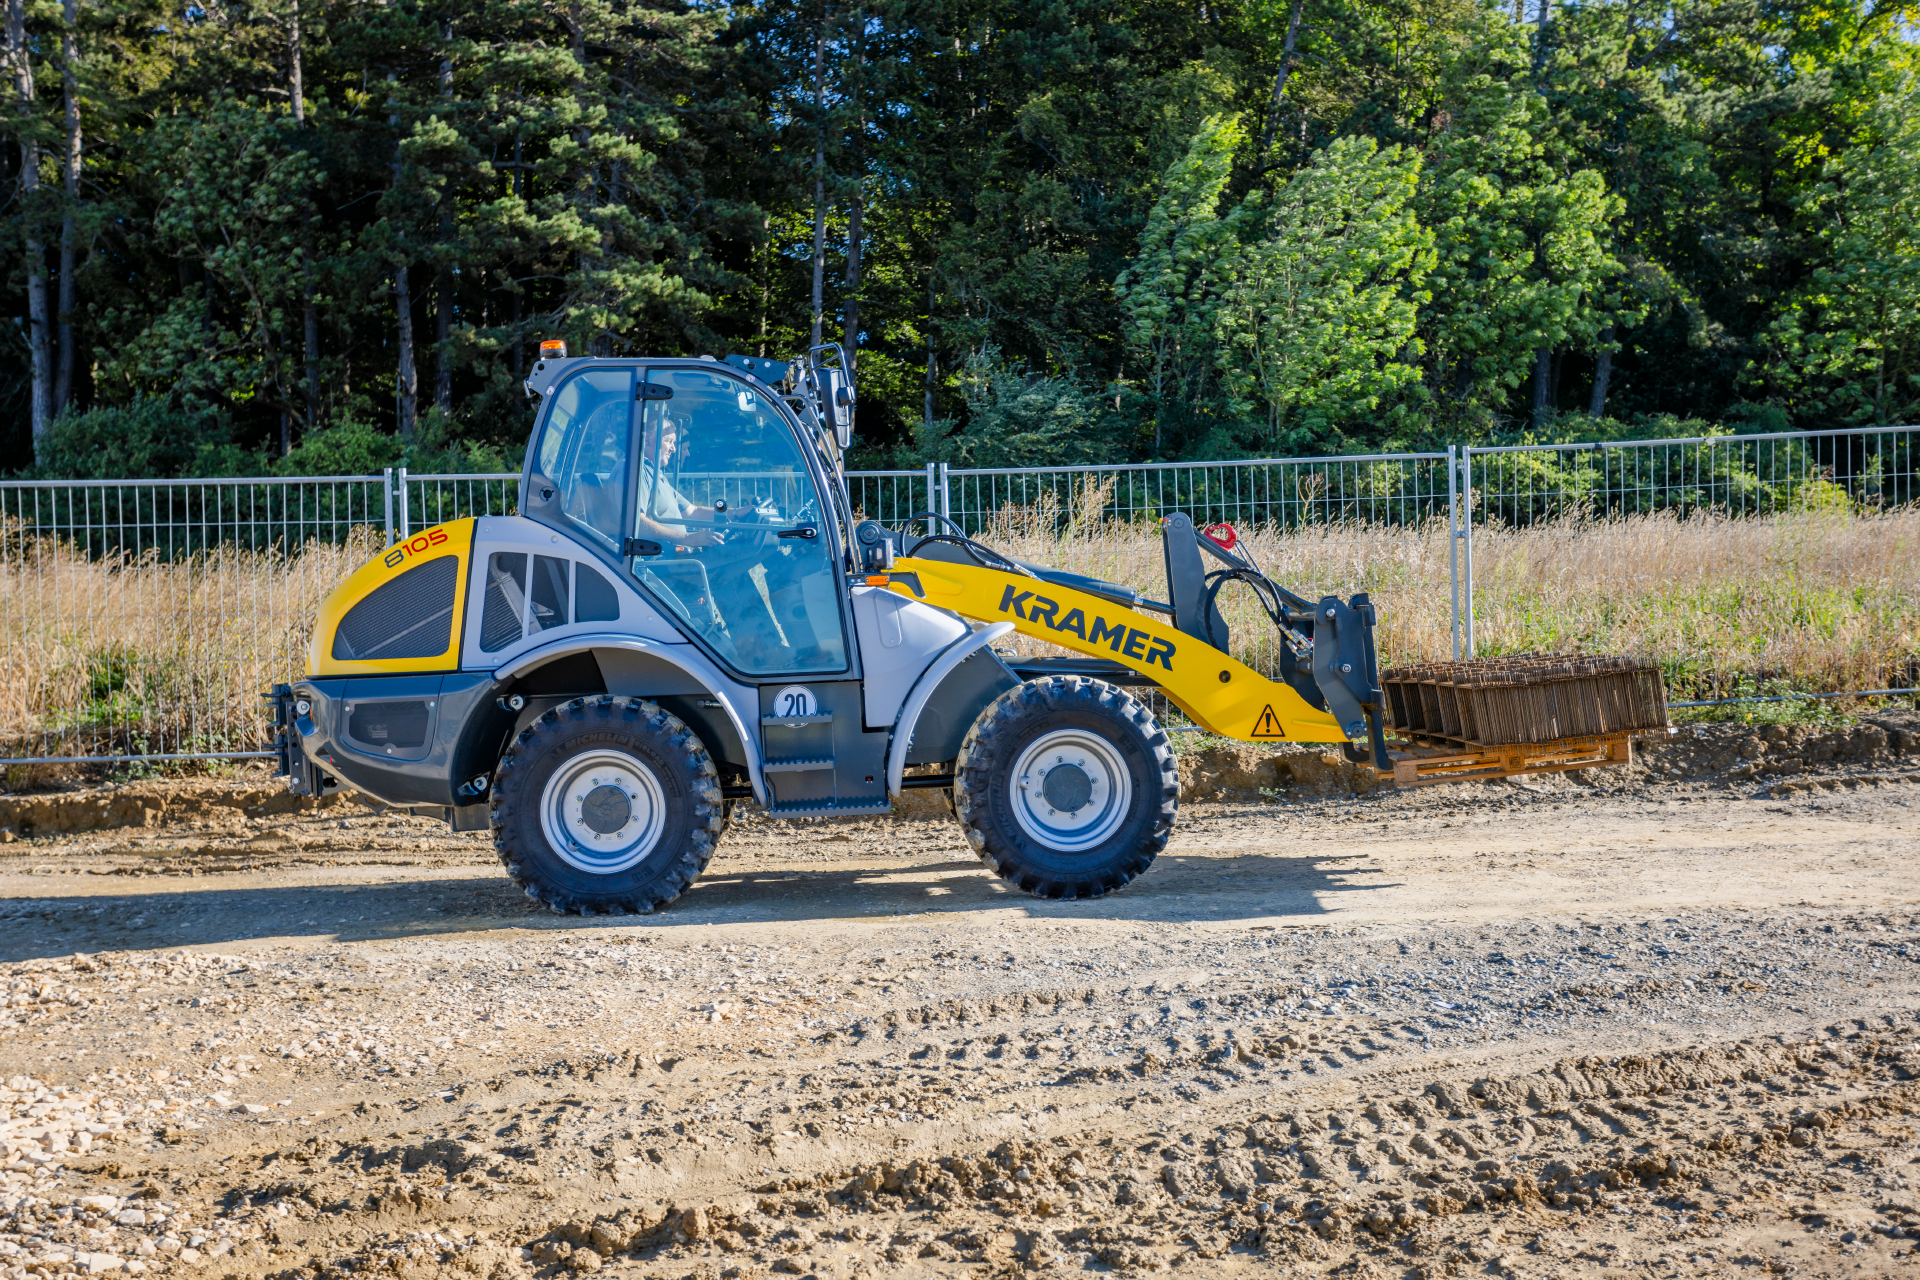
column 1268, row 725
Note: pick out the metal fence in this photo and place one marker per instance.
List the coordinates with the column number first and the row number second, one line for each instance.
column 142, row 618
column 1750, row 565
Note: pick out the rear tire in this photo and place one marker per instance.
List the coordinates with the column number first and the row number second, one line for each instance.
column 1066, row 787
column 606, row 804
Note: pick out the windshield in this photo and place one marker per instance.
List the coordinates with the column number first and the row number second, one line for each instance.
column 746, row 556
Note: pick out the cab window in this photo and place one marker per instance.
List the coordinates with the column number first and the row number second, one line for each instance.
column 583, row 450
column 747, row 558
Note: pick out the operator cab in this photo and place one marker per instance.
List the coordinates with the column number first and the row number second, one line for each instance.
column 702, row 487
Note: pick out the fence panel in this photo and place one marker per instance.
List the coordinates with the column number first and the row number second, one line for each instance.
column 437, row 499
column 142, row 619
column 1744, row 564
column 892, row 497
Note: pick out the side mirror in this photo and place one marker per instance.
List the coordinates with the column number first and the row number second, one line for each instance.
column 836, row 403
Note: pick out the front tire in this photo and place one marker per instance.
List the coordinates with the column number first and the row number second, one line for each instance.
column 606, row 804
column 1066, row 787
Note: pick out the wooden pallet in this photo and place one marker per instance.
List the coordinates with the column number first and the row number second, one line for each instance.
column 1418, row 764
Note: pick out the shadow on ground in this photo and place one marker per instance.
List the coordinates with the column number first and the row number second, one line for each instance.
column 192, row 912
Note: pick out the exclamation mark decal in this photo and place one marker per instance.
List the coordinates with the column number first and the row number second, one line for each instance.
column 1268, row 725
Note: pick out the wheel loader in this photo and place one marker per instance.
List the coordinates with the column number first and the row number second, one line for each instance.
column 685, row 614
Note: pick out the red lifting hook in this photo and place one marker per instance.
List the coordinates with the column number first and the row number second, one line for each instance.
column 1223, row 535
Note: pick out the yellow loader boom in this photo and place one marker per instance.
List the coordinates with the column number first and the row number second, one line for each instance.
column 1217, row 691
column 1328, row 686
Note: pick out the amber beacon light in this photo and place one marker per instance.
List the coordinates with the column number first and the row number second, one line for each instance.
column 553, row 349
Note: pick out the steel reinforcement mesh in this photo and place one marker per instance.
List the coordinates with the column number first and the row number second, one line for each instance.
column 1524, row 698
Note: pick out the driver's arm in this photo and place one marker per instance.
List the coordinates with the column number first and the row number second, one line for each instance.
column 645, row 526
column 668, row 498
column 658, row 518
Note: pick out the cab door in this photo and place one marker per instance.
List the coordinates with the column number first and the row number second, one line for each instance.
column 728, row 529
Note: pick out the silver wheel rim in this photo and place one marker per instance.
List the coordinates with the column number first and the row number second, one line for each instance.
column 603, row 812
column 1071, row 790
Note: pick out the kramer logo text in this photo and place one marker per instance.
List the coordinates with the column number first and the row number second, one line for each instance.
column 1124, row 640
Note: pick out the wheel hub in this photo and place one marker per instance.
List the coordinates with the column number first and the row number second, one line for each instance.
column 1067, row 788
column 603, row 811
column 1071, row 790
column 606, row 809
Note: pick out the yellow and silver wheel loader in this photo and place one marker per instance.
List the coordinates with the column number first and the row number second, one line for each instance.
column 685, row 613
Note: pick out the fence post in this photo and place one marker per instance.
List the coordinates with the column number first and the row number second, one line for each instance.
column 406, row 524
column 1453, row 545
column 933, row 489
column 386, row 485
column 1466, row 539
column 946, row 499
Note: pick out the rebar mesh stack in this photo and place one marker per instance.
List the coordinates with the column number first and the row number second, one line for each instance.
column 1525, row 698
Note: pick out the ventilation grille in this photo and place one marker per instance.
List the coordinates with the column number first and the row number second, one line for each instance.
column 410, row 616
column 506, row 596
column 401, row 725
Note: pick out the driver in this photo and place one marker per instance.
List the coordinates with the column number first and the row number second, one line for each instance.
column 664, row 510
column 764, row 613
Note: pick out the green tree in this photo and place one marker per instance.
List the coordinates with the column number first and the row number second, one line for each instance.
column 1848, row 347
column 1318, row 323
column 1170, row 294
column 1017, row 418
column 232, row 209
column 1521, row 256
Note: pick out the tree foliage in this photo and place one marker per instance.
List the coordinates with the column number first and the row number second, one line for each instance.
column 326, row 234
column 1319, row 320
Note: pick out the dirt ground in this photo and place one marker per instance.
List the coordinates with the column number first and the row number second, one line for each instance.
column 1652, row 1021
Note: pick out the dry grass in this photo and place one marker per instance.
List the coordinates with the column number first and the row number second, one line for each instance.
column 1819, row 601
column 1814, row 601
column 143, row 656
column 135, row 655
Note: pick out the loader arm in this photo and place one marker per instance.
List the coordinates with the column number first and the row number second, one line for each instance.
column 1218, row 692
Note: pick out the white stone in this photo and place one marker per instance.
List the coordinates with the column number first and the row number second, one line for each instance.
column 132, row 1218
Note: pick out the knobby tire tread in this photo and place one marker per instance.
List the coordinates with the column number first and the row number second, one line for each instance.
column 997, row 735
column 510, row 806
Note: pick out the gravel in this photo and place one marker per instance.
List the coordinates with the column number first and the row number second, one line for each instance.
column 1532, row 1029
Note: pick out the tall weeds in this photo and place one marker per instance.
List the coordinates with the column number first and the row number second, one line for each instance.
column 139, row 655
